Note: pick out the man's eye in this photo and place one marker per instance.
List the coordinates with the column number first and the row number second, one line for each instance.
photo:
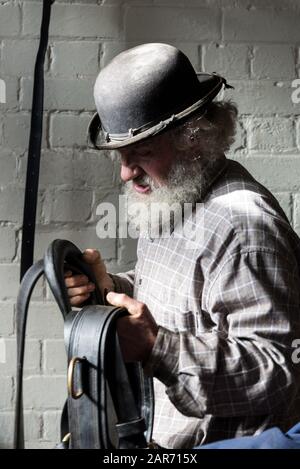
column 144, row 154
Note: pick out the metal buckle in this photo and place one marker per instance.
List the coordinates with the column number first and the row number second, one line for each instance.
column 75, row 394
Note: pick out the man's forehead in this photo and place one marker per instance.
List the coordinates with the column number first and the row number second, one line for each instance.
column 138, row 148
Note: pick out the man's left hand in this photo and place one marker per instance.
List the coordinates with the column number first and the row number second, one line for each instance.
column 137, row 331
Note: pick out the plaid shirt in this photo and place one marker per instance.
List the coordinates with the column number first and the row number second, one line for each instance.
column 228, row 311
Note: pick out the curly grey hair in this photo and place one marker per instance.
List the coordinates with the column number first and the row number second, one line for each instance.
column 211, row 133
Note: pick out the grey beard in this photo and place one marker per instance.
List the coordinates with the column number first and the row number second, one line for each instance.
column 164, row 206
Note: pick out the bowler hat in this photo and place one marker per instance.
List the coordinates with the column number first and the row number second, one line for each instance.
column 145, row 90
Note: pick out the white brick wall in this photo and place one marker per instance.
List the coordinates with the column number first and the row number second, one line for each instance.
column 253, row 43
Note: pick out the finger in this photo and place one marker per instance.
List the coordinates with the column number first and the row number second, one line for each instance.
column 79, row 299
column 123, row 301
column 76, row 281
column 83, row 290
column 68, row 273
column 92, row 256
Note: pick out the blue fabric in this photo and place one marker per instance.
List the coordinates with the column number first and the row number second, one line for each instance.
column 269, row 439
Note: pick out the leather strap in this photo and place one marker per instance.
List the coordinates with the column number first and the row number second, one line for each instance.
column 101, row 385
column 34, row 150
column 57, row 255
column 90, row 334
column 27, row 285
column 52, row 266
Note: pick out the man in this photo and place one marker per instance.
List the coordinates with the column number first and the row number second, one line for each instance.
column 212, row 317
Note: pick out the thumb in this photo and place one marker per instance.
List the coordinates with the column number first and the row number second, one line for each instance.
column 122, row 300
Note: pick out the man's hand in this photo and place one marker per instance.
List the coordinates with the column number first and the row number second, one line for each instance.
column 79, row 287
column 137, row 331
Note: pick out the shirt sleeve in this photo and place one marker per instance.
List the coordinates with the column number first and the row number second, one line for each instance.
column 124, row 282
column 243, row 366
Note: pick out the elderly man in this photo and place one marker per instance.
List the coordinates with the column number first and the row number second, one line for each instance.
column 213, row 318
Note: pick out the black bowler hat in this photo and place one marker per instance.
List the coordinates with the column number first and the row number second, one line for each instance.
column 145, row 90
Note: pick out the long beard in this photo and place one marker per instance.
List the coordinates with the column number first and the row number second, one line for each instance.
column 158, row 213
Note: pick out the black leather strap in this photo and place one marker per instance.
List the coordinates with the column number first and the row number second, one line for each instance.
column 27, row 285
column 57, row 255
column 34, row 150
column 106, row 385
column 52, row 265
column 90, row 334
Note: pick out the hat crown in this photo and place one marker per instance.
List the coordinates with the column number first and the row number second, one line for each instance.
column 147, row 83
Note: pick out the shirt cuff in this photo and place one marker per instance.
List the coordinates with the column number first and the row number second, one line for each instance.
column 122, row 285
column 164, row 357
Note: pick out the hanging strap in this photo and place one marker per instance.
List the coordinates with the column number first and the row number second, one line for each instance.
column 90, row 335
column 53, row 264
column 27, row 286
column 34, row 150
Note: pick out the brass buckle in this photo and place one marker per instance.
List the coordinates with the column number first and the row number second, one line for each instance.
column 75, row 394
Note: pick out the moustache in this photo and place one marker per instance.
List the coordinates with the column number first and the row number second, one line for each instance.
column 144, row 180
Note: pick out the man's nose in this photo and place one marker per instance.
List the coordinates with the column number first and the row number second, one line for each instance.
column 130, row 172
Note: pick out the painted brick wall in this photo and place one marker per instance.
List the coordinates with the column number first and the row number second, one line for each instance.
column 255, row 44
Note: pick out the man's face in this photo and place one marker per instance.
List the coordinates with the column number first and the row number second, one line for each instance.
column 147, row 164
column 157, row 173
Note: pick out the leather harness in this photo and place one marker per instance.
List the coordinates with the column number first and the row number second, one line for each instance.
column 110, row 404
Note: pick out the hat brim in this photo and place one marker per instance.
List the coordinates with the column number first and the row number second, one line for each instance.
column 98, row 138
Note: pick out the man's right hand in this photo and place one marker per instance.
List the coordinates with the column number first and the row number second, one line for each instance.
column 79, row 287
